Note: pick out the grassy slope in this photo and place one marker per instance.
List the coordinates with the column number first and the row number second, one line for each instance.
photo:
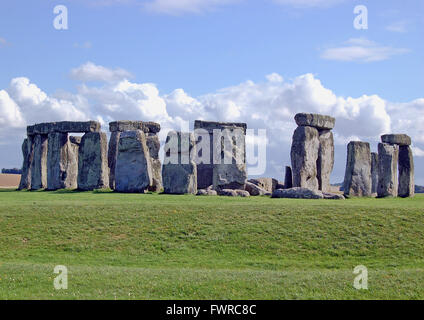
column 186, row 247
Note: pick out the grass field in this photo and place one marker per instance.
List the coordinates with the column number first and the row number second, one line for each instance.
column 129, row 246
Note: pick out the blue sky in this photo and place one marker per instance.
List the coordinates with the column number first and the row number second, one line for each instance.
column 205, row 46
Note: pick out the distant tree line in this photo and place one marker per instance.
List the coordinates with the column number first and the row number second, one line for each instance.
column 11, row 171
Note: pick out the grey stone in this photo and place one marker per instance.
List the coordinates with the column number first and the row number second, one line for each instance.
column 399, row 139
column 233, row 193
column 266, row 184
column 28, row 154
column 374, row 172
column 298, row 193
column 153, row 144
column 206, row 192
column 387, row 170
column 123, row 125
column 406, row 172
column 304, row 156
column 75, row 140
column 357, row 181
column 315, row 120
column 133, row 172
column 179, row 171
column 93, row 171
column 255, row 190
column 333, row 196
column 62, row 162
column 325, row 162
column 220, row 174
column 39, row 163
column 288, row 179
column 112, row 156
column 64, row 127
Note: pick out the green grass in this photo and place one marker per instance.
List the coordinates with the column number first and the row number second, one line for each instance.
column 129, row 246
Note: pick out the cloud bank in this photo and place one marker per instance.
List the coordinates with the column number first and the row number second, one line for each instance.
column 269, row 105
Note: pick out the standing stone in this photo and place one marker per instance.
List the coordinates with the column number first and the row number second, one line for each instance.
column 62, row 162
column 387, row 170
column 288, row 178
column 212, row 171
column 112, row 154
column 133, row 171
column 39, row 163
column 374, row 172
column 93, row 171
column 28, row 154
column 153, row 144
column 304, row 156
column 179, row 171
column 406, row 172
column 325, row 162
column 357, row 180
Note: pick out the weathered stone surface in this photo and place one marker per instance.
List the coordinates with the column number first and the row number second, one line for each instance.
column 374, row 172
column 406, row 172
column 123, row 125
column 315, row 120
column 62, row 162
column 112, row 156
column 304, row 156
column 325, row 162
column 39, row 163
column 266, row 184
column 255, row 190
column 357, row 181
column 64, row 127
column 297, row 193
column 333, row 196
column 288, row 179
column 223, row 174
column 387, row 170
column 75, row 140
column 233, row 193
column 153, row 144
column 28, row 154
column 179, row 171
column 206, row 192
column 399, row 139
column 133, row 166
column 93, row 171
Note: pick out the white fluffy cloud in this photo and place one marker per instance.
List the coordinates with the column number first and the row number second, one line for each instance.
column 361, row 50
column 91, row 72
column 269, row 105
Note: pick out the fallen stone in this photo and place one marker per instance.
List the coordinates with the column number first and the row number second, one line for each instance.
column 233, row 193
column 266, row 184
column 318, row 121
column 387, row 170
column 406, row 172
column 325, row 162
column 304, row 156
column 206, row 192
column 62, row 162
column 399, row 139
column 93, row 171
column 133, row 173
column 255, row 190
column 357, row 181
column 333, row 196
column 297, row 193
